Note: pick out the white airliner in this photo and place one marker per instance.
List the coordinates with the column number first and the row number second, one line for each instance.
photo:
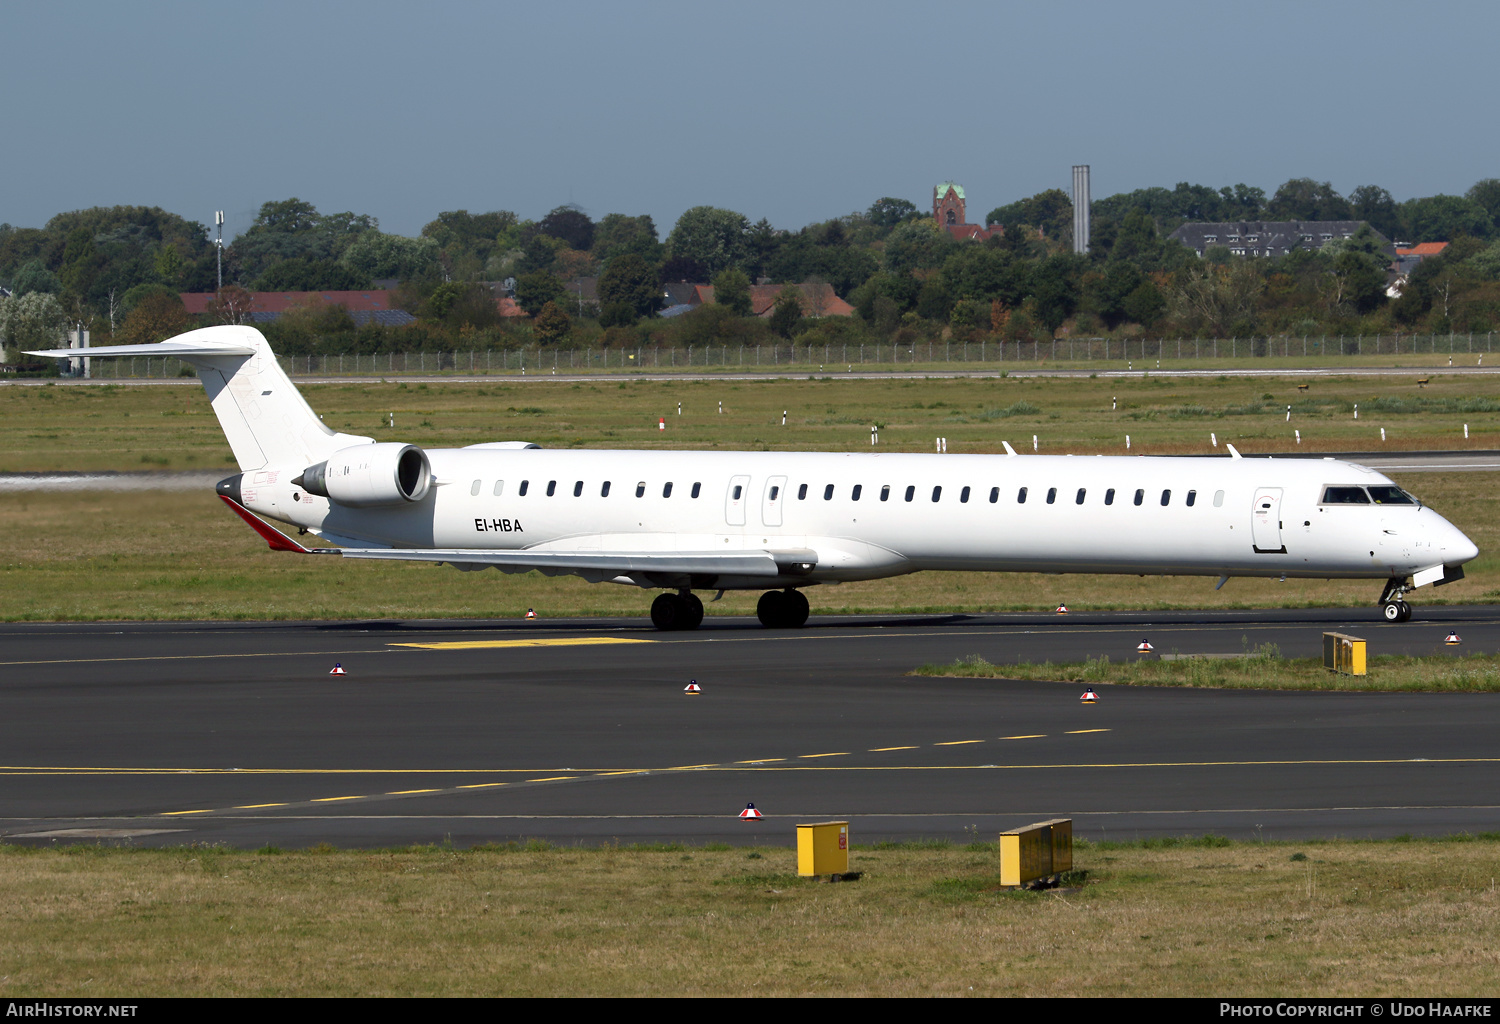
column 784, row 521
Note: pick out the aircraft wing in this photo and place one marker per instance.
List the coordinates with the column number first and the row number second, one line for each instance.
column 180, row 349
column 738, row 563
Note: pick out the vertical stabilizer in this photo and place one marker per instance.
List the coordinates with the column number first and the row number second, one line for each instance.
column 265, row 419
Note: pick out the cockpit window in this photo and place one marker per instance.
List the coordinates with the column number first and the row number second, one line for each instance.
column 1345, row 496
column 1391, row 496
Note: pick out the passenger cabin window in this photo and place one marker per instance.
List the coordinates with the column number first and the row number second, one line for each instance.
column 1051, row 495
column 521, row 491
column 499, row 486
column 775, row 493
column 963, row 495
column 697, row 487
column 1192, row 498
column 666, row 489
column 1021, row 496
column 1345, row 496
column 802, row 493
column 738, row 490
column 474, row 488
column 937, row 492
column 994, row 495
column 1391, row 496
column 1109, row 496
column 551, row 488
column 1081, row 492
column 828, row 492
column 604, row 489
column 1166, row 496
column 858, row 490
column 640, row 489
column 578, row 489
column 885, row 492
column 1140, row 496
column 1218, row 499
column 911, row 492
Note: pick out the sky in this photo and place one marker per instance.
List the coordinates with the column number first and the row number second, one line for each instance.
column 792, row 111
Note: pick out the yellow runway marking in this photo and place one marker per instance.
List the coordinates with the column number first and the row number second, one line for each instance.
column 577, row 641
column 408, row 792
column 632, row 771
column 759, row 760
column 878, row 750
column 1034, row 736
column 256, row 807
column 331, row 799
column 204, row 811
column 553, row 778
column 483, row 785
column 1080, row 732
column 836, row 753
column 956, row 743
column 685, row 767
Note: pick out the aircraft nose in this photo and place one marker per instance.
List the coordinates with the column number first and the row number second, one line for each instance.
column 1460, row 549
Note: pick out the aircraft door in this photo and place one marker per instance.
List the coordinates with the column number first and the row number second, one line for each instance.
column 1265, row 522
column 735, row 500
column 772, row 500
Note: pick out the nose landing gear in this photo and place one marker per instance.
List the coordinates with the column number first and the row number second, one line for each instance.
column 677, row 611
column 782, row 608
column 1392, row 606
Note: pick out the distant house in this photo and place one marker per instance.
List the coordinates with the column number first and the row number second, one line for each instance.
column 949, row 210
column 1267, row 237
column 373, row 306
column 1406, row 261
column 817, row 299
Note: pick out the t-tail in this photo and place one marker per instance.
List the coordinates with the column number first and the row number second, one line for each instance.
column 266, row 420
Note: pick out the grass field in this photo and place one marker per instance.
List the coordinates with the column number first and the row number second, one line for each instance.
column 1203, row 917
column 97, row 555
column 1257, row 669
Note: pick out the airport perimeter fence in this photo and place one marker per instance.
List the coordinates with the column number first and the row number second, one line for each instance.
column 827, row 358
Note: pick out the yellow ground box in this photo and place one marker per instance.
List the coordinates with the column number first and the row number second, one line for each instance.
column 1036, row 851
column 1344, row 654
column 823, row 848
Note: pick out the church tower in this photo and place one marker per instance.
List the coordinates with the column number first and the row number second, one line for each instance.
column 948, row 204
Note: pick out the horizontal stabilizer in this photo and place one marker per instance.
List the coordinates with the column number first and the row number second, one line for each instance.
column 180, row 349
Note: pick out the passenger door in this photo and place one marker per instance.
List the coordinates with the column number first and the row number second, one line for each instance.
column 772, row 500
column 1265, row 522
column 735, row 499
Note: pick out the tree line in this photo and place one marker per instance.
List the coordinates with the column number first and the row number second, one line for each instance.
column 119, row 270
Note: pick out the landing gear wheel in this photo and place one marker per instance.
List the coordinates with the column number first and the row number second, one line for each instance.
column 794, row 603
column 768, row 609
column 694, row 610
column 1396, row 611
column 1405, row 611
column 782, row 609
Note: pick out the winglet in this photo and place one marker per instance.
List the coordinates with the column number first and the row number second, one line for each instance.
column 278, row 540
column 1010, row 452
column 1233, row 451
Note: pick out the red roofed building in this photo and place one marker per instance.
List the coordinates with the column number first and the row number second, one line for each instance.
column 817, row 300
column 948, row 209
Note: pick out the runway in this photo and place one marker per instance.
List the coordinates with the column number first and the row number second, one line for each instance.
column 579, row 731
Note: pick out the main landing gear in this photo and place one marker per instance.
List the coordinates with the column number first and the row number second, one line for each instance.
column 1392, row 607
column 784, row 608
column 682, row 610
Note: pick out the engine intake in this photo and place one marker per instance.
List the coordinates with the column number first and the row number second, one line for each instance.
column 370, row 475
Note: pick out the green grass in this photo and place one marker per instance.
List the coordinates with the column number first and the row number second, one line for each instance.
column 1193, row 916
column 1260, row 668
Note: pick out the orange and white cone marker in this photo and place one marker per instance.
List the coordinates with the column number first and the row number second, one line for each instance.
column 661, row 423
column 1062, row 609
column 692, row 687
column 531, row 613
column 338, row 670
column 1144, row 647
column 750, row 813
column 1452, row 640
column 1089, row 697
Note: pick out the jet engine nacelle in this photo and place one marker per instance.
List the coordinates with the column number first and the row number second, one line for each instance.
column 369, row 475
